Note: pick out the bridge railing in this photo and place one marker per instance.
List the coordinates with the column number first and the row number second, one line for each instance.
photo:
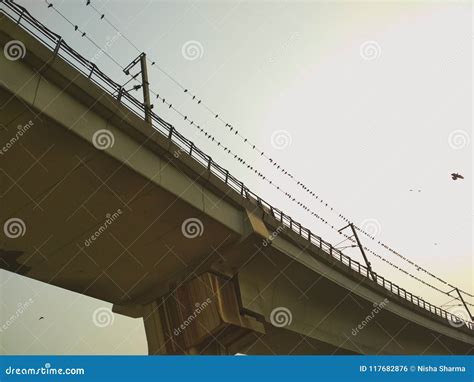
column 89, row 69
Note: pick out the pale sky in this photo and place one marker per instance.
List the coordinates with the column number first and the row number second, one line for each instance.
column 361, row 130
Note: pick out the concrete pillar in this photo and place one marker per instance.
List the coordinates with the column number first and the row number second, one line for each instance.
column 200, row 316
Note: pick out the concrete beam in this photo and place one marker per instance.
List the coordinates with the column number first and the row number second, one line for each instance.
column 201, row 316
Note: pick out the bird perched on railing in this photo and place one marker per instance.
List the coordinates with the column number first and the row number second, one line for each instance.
column 455, row 176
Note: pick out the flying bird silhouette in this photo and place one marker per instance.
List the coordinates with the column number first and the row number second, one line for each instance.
column 41, row 318
column 455, row 176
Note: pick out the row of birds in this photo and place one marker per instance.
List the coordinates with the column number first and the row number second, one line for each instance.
column 454, row 176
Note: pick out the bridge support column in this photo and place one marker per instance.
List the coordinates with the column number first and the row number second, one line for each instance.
column 201, row 316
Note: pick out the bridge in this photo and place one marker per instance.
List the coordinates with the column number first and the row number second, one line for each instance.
column 97, row 201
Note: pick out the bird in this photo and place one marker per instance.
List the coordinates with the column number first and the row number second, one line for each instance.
column 455, row 176
column 41, row 318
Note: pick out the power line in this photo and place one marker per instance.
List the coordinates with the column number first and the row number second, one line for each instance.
column 236, row 133
column 241, row 160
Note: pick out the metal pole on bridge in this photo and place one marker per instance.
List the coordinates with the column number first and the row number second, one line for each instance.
column 359, row 244
column 464, row 303
column 146, row 88
column 145, row 84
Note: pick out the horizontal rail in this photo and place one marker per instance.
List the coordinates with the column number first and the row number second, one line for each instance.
column 57, row 45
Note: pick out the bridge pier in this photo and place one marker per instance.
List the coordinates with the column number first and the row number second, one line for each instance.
column 200, row 316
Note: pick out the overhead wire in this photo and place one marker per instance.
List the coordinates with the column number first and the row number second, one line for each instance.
column 241, row 160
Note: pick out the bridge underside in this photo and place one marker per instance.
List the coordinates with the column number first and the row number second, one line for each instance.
column 65, row 190
column 214, row 290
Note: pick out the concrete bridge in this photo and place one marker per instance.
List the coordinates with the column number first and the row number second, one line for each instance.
column 100, row 203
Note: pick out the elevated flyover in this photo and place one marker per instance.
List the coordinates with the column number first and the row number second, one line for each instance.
column 101, row 203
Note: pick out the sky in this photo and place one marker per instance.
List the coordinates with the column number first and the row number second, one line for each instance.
column 364, row 101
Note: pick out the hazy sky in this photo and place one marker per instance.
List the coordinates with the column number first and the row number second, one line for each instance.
column 372, row 98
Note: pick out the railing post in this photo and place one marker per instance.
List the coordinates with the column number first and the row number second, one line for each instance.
column 21, row 15
column 120, row 93
column 170, row 135
column 57, row 47
column 226, row 176
column 92, row 71
column 191, row 149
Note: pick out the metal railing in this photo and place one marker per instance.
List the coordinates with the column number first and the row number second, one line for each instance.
column 54, row 42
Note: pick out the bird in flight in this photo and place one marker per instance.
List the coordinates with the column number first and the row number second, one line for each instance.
column 455, row 176
column 41, row 318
